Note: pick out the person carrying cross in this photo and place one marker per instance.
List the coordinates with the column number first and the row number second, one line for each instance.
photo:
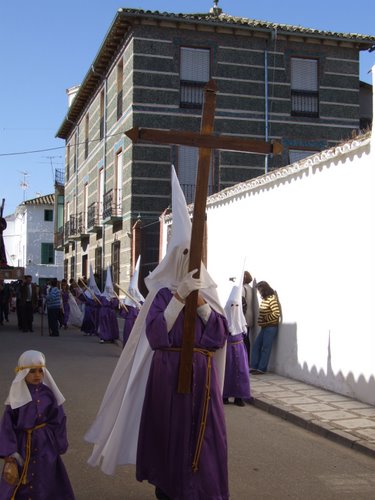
column 181, row 445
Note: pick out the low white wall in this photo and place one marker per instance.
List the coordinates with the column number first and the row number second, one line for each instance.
column 310, row 234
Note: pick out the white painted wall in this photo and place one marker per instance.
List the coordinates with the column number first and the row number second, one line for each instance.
column 309, row 232
column 25, row 233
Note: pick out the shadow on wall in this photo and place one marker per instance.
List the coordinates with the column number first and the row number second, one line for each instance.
column 284, row 361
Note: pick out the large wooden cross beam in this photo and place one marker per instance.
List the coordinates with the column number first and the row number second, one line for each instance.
column 206, row 141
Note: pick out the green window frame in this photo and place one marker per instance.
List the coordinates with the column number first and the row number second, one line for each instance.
column 47, row 253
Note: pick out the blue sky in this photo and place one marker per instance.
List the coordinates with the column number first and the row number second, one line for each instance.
column 47, row 46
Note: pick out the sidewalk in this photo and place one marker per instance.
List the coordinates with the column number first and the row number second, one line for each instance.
column 336, row 417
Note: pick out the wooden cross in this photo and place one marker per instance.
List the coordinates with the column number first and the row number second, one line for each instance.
column 206, row 142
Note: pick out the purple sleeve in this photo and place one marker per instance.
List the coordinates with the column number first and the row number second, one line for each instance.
column 114, row 303
column 57, row 424
column 215, row 332
column 156, row 326
column 8, row 437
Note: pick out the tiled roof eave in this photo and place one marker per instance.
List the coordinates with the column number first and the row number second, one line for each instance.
column 48, row 199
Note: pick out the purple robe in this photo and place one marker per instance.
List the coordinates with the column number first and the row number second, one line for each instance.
column 129, row 316
column 237, row 381
column 90, row 317
column 46, row 474
column 66, row 306
column 108, row 326
column 170, row 421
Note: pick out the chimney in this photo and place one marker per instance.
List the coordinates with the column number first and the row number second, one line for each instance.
column 216, row 11
column 71, row 93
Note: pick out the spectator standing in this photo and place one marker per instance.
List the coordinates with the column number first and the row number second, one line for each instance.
column 4, row 301
column 250, row 309
column 268, row 320
column 54, row 306
column 28, row 303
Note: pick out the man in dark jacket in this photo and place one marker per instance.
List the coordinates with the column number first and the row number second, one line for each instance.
column 28, row 303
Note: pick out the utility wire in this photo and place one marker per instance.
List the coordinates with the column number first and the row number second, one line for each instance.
column 54, row 149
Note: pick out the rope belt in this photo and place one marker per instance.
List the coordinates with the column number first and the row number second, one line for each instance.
column 203, row 422
column 23, row 477
column 235, row 343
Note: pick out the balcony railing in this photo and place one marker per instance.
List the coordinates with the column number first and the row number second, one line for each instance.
column 59, row 238
column 74, row 227
column 191, row 94
column 59, row 177
column 94, row 215
column 305, row 103
column 112, row 204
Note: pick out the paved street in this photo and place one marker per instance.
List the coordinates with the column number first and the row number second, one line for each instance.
column 269, row 457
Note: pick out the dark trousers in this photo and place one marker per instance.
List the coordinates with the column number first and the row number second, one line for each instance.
column 53, row 320
column 27, row 316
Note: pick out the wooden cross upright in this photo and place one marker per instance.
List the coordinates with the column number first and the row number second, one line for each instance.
column 206, row 142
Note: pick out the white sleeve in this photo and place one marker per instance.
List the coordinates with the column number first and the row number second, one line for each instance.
column 204, row 312
column 18, row 457
column 171, row 312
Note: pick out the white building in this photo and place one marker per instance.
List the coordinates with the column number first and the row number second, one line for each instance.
column 308, row 229
column 29, row 239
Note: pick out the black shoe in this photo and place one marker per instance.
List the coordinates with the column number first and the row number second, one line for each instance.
column 239, row 402
column 249, row 401
column 160, row 495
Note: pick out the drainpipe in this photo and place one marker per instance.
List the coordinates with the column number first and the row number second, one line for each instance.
column 104, row 161
column 76, row 147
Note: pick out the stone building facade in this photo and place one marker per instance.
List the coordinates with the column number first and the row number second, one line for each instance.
column 296, row 85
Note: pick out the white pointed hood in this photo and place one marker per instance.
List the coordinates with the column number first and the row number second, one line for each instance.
column 233, row 311
column 174, row 266
column 133, row 288
column 93, row 287
column 108, row 292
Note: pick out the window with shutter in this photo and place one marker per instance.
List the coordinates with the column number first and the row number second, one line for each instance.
column 72, row 267
column 304, row 87
column 84, row 265
column 120, row 82
column 47, row 253
column 48, row 215
column 98, row 265
column 66, row 264
column 116, row 263
column 194, row 74
column 187, row 171
column 117, row 198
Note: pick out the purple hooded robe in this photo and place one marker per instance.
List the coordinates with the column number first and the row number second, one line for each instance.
column 46, row 477
column 170, row 422
column 108, row 326
column 129, row 316
column 236, row 381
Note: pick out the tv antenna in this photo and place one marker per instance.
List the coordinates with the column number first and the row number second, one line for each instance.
column 23, row 184
column 51, row 158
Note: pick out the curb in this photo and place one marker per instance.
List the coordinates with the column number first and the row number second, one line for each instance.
column 317, row 427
